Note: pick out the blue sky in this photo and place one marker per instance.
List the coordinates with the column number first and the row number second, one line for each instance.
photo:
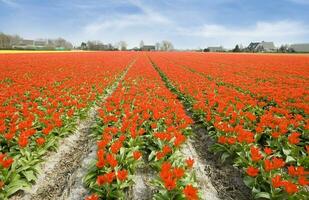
column 187, row 23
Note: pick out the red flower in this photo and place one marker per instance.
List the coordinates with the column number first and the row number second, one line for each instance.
column 100, row 164
column 275, row 163
column 92, row 197
column 297, row 171
column 190, row 162
column 222, row 140
column 6, row 163
column 276, row 181
column 290, row 187
column 166, row 149
column 245, row 136
column 268, row 165
column 268, row 150
column 278, row 163
column 1, row 184
column 9, row 136
column 110, row 177
column 178, row 172
column 294, row 138
column 115, row 147
column 101, row 180
column 22, row 142
column 190, row 192
column 255, row 154
column 302, row 180
column 166, row 166
column 275, row 134
column 165, row 174
column 40, row 141
column 2, row 156
column 100, row 154
column 170, row 183
column 137, row 155
column 111, row 160
column 159, row 155
column 180, row 138
column 251, row 171
column 122, row 175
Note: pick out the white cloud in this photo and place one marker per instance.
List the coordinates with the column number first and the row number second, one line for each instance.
column 280, row 32
column 147, row 17
column 153, row 25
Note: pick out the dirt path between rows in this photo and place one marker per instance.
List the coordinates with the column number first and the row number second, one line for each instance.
column 226, row 179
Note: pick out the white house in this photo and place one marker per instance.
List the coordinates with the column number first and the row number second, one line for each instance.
column 300, row 47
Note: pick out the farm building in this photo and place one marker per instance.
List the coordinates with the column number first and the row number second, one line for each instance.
column 214, row 49
column 40, row 43
column 24, row 44
column 261, row 47
column 148, row 48
column 300, row 47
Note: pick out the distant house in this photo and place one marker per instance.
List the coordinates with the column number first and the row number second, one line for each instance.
column 261, row 47
column 253, row 46
column 300, row 47
column 214, row 49
column 148, row 48
column 40, row 43
column 24, row 44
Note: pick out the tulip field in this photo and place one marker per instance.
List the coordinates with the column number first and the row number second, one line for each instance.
column 254, row 108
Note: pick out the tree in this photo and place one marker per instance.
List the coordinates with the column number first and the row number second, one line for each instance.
column 68, row 45
column 236, row 49
column 15, row 40
column 283, row 48
column 83, row 46
column 90, row 45
column 122, row 45
column 4, row 41
column 141, row 44
column 157, row 46
column 166, row 46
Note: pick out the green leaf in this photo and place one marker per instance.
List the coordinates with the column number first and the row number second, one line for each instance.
column 29, row 175
column 264, row 195
column 15, row 186
column 224, row 156
column 151, row 155
column 289, row 159
column 286, row 151
column 248, row 181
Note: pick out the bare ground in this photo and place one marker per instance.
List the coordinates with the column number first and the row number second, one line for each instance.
column 225, row 178
column 60, row 165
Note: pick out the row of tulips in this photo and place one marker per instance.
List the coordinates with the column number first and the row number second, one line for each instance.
column 42, row 98
column 282, row 79
column 268, row 142
column 142, row 124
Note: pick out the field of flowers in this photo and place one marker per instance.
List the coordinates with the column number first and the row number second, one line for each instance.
column 255, row 108
column 42, row 96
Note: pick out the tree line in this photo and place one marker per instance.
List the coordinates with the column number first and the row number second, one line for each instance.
column 16, row 42
column 97, row 45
